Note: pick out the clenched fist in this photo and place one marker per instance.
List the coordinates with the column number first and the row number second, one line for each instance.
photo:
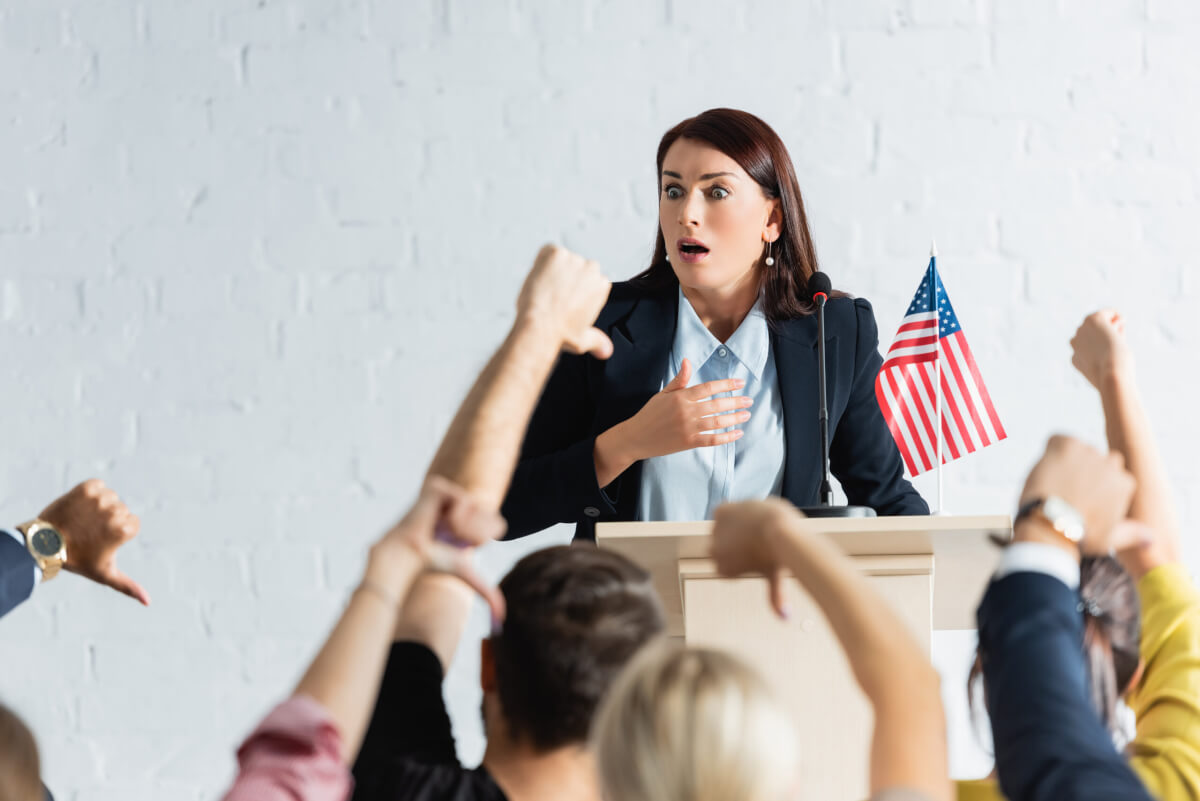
column 1099, row 350
column 566, row 292
column 94, row 523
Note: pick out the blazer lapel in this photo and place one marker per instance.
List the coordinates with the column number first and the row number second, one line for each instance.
column 641, row 341
column 632, row 375
column 795, row 346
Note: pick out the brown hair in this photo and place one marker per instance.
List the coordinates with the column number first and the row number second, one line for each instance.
column 20, row 769
column 576, row 615
column 1112, row 634
column 761, row 153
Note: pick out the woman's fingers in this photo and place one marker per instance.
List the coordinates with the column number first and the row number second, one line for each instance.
column 681, row 380
column 719, row 421
column 710, row 388
column 718, row 405
column 709, row 440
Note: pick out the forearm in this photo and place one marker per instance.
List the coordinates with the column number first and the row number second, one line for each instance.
column 611, row 456
column 909, row 742
column 1128, row 430
column 344, row 676
column 481, row 446
column 435, row 614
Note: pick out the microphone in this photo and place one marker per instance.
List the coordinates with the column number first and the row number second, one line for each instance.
column 819, row 287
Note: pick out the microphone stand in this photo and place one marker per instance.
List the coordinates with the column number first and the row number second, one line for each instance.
column 827, row 508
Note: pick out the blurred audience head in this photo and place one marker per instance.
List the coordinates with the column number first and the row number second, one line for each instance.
column 576, row 615
column 1112, row 635
column 20, row 769
column 693, row 724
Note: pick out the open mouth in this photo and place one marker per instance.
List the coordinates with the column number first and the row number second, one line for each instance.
column 691, row 249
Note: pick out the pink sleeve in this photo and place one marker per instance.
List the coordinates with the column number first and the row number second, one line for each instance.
column 293, row 755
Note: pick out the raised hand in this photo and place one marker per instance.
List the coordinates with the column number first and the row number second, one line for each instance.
column 94, row 523
column 443, row 528
column 1095, row 484
column 1099, row 349
column 566, row 292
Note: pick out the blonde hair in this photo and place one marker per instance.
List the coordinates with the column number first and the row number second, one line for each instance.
column 20, row 771
column 693, row 724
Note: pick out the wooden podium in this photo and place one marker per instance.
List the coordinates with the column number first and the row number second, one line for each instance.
column 931, row 570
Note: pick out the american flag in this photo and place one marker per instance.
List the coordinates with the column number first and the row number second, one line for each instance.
column 929, row 337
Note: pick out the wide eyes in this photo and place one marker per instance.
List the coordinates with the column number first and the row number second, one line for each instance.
column 675, row 191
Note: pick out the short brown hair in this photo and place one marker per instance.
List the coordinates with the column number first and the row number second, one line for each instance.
column 576, row 615
column 20, row 769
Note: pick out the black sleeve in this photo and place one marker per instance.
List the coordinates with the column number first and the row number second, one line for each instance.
column 410, row 719
column 862, row 453
column 555, row 479
column 16, row 573
column 1049, row 741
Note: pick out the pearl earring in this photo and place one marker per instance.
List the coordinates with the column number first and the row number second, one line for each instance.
column 770, row 261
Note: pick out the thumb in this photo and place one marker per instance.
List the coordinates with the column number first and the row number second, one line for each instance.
column 597, row 343
column 489, row 592
column 1130, row 534
column 680, row 381
column 124, row 584
column 431, row 500
column 775, row 590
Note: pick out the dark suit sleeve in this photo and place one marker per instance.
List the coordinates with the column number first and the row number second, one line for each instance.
column 862, row 453
column 1049, row 741
column 16, row 573
column 555, row 479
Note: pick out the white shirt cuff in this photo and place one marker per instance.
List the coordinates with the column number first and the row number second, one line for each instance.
column 20, row 538
column 1038, row 557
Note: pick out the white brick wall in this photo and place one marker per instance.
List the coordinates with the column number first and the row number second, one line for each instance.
column 252, row 253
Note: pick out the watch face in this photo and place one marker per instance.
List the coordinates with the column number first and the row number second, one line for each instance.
column 46, row 541
column 1064, row 517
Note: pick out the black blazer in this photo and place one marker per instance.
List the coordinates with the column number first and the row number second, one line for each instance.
column 555, row 479
column 16, row 573
column 1049, row 741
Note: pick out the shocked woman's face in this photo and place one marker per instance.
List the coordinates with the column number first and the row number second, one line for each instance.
column 715, row 218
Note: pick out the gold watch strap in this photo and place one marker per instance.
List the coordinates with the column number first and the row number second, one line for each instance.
column 49, row 565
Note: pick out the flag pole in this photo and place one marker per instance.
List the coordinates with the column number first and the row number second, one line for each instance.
column 937, row 386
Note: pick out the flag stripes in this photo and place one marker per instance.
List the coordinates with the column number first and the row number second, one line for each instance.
column 930, row 354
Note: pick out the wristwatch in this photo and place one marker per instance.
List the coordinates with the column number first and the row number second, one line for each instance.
column 1060, row 515
column 48, row 547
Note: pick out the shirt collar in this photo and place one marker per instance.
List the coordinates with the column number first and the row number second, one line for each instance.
column 750, row 343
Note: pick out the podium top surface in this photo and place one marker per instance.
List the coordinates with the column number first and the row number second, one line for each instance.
column 964, row 556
